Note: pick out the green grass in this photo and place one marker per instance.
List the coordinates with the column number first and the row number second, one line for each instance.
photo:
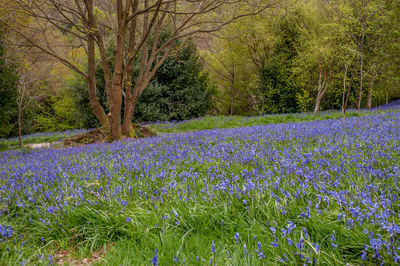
column 212, row 122
column 87, row 229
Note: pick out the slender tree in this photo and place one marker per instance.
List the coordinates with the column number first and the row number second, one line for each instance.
column 223, row 64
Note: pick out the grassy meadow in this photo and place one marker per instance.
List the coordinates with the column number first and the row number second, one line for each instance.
column 280, row 189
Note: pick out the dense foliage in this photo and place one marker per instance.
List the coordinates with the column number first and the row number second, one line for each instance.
column 278, row 87
column 317, row 192
column 278, row 60
column 8, row 95
column 179, row 90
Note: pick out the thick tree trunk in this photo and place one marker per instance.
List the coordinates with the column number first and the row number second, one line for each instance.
column 130, row 104
column 97, row 109
column 115, row 108
column 129, row 107
column 19, row 128
column 119, row 71
column 369, row 97
column 127, row 128
column 116, row 88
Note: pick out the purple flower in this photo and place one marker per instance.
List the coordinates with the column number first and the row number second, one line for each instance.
column 259, row 251
column 290, row 227
column 317, row 247
column 299, row 245
column 154, row 261
column 274, row 244
column 363, row 255
column 237, row 237
column 273, row 229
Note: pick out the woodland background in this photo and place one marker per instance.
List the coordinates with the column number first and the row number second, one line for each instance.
column 297, row 56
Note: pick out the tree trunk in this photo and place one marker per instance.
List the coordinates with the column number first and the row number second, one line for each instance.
column 232, row 80
column 129, row 107
column 361, row 73
column 115, row 108
column 127, row 128
column 369, row 97
column 320, row 88
column 97, row 109
column 116, row 88
column 232, row 97
column 130, row 104
column 344, row 94
column 19, row 127
column 386, row 95
column 317, row 104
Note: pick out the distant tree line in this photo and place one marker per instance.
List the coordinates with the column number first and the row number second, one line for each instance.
column 308, row 55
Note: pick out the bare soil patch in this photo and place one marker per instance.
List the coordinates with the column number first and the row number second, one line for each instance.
column 99, row 135
column 64, row 257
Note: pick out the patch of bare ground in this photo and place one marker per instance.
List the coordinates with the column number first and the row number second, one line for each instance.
column 99, row 135
column 64, row 257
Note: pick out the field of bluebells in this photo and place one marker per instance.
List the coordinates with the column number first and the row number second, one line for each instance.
column 321, row 192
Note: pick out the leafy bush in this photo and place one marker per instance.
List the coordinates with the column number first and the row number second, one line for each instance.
column 180, row 90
